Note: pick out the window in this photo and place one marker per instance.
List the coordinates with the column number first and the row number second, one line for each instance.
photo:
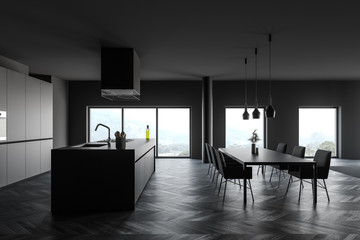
column 170, row 126
column 238, row 131
column 136, row 119
column 111, row 117
column 174, row 132
column 318, row 130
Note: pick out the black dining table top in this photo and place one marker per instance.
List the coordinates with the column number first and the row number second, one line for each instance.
column 264, row 157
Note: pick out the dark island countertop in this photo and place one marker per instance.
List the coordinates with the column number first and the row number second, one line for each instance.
column 139, row 145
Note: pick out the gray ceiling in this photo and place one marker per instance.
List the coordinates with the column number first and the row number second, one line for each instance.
column 185, row 40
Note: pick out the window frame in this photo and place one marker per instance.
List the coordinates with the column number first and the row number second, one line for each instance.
column 337, row 125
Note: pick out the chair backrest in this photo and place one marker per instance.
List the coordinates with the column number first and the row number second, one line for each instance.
column 323, row 159
column 212, row 154
column 208, row 153
column 281, row 147
column 220, row 161
column 298, row 151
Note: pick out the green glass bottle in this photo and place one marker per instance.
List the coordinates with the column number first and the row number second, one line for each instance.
column 147, row 132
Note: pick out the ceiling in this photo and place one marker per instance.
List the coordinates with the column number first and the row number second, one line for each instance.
column 185, row 40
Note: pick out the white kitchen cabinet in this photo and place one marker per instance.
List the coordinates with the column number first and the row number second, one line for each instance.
column 46, row 146
column 3, row 165
column 32, row 109
column 15, row 106
column 15, row 162
column 32, row 158
column 2, row 89
column 46, row 110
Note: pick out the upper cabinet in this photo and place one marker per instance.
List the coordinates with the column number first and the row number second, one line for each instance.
column 46, row 110
column 2, row 89
column 15, row 106
column 33, row 99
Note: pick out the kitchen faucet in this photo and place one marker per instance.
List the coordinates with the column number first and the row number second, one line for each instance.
column 109, row 139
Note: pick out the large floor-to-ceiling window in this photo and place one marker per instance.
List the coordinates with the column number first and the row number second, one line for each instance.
column 169, row 126
column 318, row 130
column 174, row 132
column 238, row 131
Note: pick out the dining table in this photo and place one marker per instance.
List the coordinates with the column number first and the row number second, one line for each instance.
column 266, row 156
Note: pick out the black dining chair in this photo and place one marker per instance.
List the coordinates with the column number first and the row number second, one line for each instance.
column 211, row 163
column 279, row 168
column 322, row 159
column 298, row 151
column 232, row 172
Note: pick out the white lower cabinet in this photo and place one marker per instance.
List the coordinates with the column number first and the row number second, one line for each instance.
column 15, row 162
column 3, row 165
column 46, row 146
column 32, row 158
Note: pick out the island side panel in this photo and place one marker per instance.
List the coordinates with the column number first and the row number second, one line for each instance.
column 144, row 168
column 92, row 180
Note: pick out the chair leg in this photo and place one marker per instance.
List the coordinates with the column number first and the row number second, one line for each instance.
column 271, row 174
column 239, row 183
column 326, row 190
column 217, row 177
column 252, row 195
column 213, row 176
column 225, row 190
column 209, row 168
column 300, row 189
column 287, row 189
column 279, row 178
column 221, row 181
column 258, row 169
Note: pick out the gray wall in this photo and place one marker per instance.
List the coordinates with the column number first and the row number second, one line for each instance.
column 288, row 96
column 153, row 94
column 60, row 112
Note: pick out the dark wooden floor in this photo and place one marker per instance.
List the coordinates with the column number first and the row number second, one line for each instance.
column 179, row 202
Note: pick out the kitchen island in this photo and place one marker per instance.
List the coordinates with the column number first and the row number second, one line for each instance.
column 97, row 177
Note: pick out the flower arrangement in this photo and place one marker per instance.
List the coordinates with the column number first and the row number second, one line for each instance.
column 254, row 138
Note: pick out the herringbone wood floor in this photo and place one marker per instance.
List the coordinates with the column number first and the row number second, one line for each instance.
column 179, row 202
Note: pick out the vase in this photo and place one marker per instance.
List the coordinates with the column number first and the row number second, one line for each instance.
column 253, row 148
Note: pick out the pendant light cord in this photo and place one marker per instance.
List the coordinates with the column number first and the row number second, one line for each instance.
column 270, row 68
column 256, row 101
column 245, row 82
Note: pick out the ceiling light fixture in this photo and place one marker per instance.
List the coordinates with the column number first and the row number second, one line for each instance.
column 256, row 113
column 270, row 110
column 246, row 114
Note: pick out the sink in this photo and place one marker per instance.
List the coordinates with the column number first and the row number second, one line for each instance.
column 94, row 144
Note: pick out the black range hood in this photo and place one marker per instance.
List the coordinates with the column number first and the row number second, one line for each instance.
column 120, row 74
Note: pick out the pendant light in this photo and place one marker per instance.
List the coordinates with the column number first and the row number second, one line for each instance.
column 256, row 113
column 270, row 110
column 246, row 114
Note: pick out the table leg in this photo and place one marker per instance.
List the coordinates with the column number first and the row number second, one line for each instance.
column 245, row 188
column 315, row 183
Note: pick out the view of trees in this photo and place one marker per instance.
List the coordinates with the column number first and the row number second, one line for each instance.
column 326, row 145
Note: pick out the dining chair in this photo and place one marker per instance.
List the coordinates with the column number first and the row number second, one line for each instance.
column 322, row 159
column 279, row 168
column 232, row 172
column 211, row 163
column 298, row 151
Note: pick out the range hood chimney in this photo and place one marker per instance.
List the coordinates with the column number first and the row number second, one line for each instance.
column 120, row 74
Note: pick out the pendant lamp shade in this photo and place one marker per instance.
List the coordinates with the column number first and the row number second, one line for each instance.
column 270, row 110
column 256, row 113
column 246, row 115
